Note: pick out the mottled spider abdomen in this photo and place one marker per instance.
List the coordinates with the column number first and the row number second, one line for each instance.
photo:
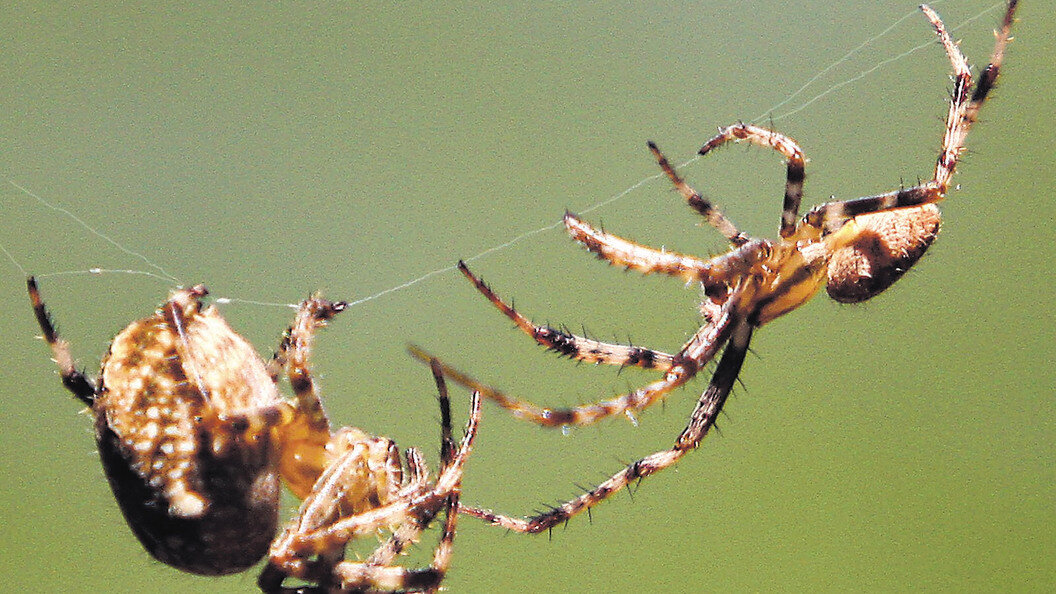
column 889, row 243
column 184, row 419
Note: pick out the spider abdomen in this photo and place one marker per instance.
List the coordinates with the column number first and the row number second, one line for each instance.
column 886, row 246
column 199, row 492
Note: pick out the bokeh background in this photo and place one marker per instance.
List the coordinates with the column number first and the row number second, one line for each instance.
column 269, row 150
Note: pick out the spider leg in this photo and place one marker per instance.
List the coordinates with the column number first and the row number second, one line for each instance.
column 713, row 274
column 312, row 535
column 306, row 430
column 795, row 164
column 75, row 381
column 965, row 103
column 442, row 554
column 702, row 419
column 698, row 202
column 409, row 532
column 964, row 109
column 447, row 442
column 830, row 217
column 632, row 256
column 358, row 575
column 296, row 346
column 570, row 345
column 691, row 358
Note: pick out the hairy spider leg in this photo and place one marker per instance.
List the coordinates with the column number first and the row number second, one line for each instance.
column 633, row 256
column 409, row 532
column 964, row 109
column 75, row 381
column 296, row 346
column 697, row 351
column 698, row 202
column 306, row 435
column 445, row 548
column 715, row 274
column 795, row 168
column 290, row 552
column 570, row 345
column 702, row 419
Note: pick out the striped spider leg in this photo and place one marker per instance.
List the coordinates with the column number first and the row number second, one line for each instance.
column 323, row 527
column 855, row 248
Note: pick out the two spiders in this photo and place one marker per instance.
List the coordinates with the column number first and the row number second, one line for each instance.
column 195, row 437
column 855, row 249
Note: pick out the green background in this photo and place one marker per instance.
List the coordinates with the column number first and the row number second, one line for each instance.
column 271, row 150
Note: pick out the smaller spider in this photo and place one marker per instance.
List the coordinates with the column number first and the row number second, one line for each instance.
column 855, row 248
column 194, row 437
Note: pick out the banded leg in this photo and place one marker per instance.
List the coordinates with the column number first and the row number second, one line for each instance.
column 444, row 493
column 693, row 356
column 313, row 314
column 702, row 419
column 698, row 202
column 618, row 251
column 75, row 381
column 795, row 164
column 715, row 274
column 964, row 109
column 831, row 216
column 410, row 532
column 291, row 553
column 303, row 456
column 570, row 345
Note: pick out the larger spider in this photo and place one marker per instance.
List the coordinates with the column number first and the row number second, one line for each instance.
column 194, row 437
column 856, row 248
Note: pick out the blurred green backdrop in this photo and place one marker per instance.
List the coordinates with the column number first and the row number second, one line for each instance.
column 269, row 150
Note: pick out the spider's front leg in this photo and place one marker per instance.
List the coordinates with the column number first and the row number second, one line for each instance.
column 304, row 454
column 574, row 347
column 702, row 419
column 795, row 168
column 691, row 358
column 698, row 202
column 627, row 254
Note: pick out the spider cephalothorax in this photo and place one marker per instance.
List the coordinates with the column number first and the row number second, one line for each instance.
column 194, row 437
column 855, row 248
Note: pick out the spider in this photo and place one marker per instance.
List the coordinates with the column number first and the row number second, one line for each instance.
column 856, row 248
column 194, row 437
